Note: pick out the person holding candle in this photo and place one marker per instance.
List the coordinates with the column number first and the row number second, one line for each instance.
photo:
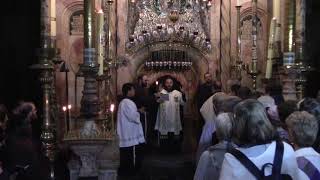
column 130, row 133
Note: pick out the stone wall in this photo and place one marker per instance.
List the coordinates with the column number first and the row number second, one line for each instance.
column 72, row 46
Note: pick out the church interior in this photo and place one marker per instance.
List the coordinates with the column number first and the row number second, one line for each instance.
column 73, row 58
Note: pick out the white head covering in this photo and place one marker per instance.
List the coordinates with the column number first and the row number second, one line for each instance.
column 268, row 102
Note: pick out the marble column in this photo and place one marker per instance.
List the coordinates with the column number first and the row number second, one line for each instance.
column 225, row 38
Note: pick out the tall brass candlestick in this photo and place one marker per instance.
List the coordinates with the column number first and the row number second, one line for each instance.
column 289, row 41
column 45, row 66
column 109, row 56
column 89, row 69
column 300, row 30
column 238, row 46
column 253, row 71
column 301, row 65
column 89, row 40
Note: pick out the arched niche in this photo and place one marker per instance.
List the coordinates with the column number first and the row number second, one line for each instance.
column 246, row 39
column 189, row 79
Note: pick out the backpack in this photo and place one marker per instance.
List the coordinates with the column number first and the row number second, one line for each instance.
column 259, row 174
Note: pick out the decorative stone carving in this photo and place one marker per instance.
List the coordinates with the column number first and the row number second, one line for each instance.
column 89, row 130
column 161, row 20
column 246, row 28
column 91, row 164
column 76, row 23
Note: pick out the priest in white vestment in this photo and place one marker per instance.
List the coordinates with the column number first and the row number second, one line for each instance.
column 168, row 117
column 168, row 122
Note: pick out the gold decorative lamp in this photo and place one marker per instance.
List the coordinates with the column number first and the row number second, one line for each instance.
column 253, row 69
column 47, row 54
column 238, row 65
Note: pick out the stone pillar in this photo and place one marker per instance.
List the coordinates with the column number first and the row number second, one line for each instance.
column 225, row 38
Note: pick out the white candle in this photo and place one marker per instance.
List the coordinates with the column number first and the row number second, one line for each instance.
column 64, row 108
column 69, row 110
column 270, row 48
column 112, row 116
column 238, row 2
column 53, row 22
column 276, row 9
column 100, row 38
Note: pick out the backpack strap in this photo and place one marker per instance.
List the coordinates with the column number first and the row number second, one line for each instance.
column 277, row 161
column 308, row 168
column 246, row 162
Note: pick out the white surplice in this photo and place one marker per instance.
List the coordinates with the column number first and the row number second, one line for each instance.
column 168, row 116
column 129, row 128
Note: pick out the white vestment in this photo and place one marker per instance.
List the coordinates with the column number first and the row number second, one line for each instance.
column 206, row 110
column 168, row 116
column 129, row 128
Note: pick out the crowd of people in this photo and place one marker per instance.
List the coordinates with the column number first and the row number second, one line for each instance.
column 258, row 136
column 20, row 152
column 243, row 135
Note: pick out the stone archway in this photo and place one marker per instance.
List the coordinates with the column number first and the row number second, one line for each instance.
column 189, row 79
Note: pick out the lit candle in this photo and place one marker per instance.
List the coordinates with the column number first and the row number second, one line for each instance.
column 53, row 22
column 157, row 83
column 64, row 108
column 238, row 2
column 69, row 110
column 112, row 116
column 99, row 42
column 270, row 48
column 276, row 9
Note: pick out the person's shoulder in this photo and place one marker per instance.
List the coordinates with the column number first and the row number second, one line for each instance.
column 126, row 101
column 177, row 92
column 231, row 160
column 163, row 91
column 287, row 148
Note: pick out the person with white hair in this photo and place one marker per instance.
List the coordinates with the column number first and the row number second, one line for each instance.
column 210, row 162
column 259, row 155
column 303, row 129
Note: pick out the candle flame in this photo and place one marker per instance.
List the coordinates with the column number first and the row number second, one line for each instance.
column 100, row 11
column 112, row 107
column 157, row 82
column 64, row 108
column 69, row 106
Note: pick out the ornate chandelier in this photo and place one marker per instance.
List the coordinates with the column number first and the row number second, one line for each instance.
column 173, row 21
